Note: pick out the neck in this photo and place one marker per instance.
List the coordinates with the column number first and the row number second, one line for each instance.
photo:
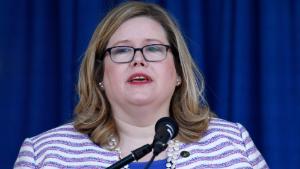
column 128, row 130
column 139, row 115
column 133, row 135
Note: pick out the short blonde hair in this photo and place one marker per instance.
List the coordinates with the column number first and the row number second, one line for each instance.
column 188, row 106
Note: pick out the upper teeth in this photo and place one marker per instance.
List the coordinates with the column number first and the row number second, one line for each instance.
column 139, row 78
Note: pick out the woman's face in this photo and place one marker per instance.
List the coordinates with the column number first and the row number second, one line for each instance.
column 139, row 83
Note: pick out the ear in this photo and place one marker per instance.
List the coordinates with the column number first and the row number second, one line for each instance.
column 178, row 80
column 101, row 85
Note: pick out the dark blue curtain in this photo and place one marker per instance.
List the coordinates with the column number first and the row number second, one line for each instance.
column 248, row 50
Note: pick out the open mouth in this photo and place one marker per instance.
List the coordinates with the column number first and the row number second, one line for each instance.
column 139, row 78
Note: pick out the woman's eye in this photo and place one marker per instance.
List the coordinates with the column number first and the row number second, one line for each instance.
column 153, row 49
column 121, row 50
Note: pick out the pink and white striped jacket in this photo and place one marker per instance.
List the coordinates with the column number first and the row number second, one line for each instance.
column 224, row 145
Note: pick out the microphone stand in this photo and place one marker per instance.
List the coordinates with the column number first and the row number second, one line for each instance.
column 135, row 155
column 158, row 147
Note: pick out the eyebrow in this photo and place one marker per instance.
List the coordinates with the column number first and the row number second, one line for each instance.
column 156, row 40
column 146, row 40
column 121, row 41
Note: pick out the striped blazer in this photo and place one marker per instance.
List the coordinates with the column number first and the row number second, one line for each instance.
column 224, row 145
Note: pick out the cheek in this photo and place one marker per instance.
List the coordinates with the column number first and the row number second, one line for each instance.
column 110, row 74
column 170, row 74
column 172, row 67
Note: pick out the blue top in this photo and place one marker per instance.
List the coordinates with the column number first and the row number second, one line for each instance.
column 155, row 164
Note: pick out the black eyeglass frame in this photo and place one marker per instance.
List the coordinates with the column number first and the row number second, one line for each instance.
column 138, row 49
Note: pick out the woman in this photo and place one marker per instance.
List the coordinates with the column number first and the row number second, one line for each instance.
column 136, row 70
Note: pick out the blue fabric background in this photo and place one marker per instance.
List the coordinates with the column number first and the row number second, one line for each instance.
column 248, row 50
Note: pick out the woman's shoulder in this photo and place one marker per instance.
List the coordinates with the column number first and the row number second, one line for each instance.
column 62, row 137
column 223, row 130
column 62, row 132
column 61, row 147
column 218, row 123
column 223, row 145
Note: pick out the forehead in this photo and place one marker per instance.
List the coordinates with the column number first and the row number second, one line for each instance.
column 139, row 29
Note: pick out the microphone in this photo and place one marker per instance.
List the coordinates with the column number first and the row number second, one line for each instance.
column 135, row 155
column 165, row 129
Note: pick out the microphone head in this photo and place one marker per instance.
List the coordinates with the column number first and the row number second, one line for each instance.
column 165, row 129
column 169, row 124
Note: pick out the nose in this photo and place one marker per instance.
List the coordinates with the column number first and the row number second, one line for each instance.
column 138, row 59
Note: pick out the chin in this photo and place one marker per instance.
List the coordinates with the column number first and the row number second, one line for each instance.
column 141, row 101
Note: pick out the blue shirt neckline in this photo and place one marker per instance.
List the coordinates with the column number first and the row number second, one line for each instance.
column 155, row 164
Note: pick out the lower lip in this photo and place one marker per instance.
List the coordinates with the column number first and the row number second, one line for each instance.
column 140, row 82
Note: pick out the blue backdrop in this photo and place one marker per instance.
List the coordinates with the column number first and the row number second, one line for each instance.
column 248, row 50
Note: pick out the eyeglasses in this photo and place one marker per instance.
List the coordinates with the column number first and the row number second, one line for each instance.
column 125, row 54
